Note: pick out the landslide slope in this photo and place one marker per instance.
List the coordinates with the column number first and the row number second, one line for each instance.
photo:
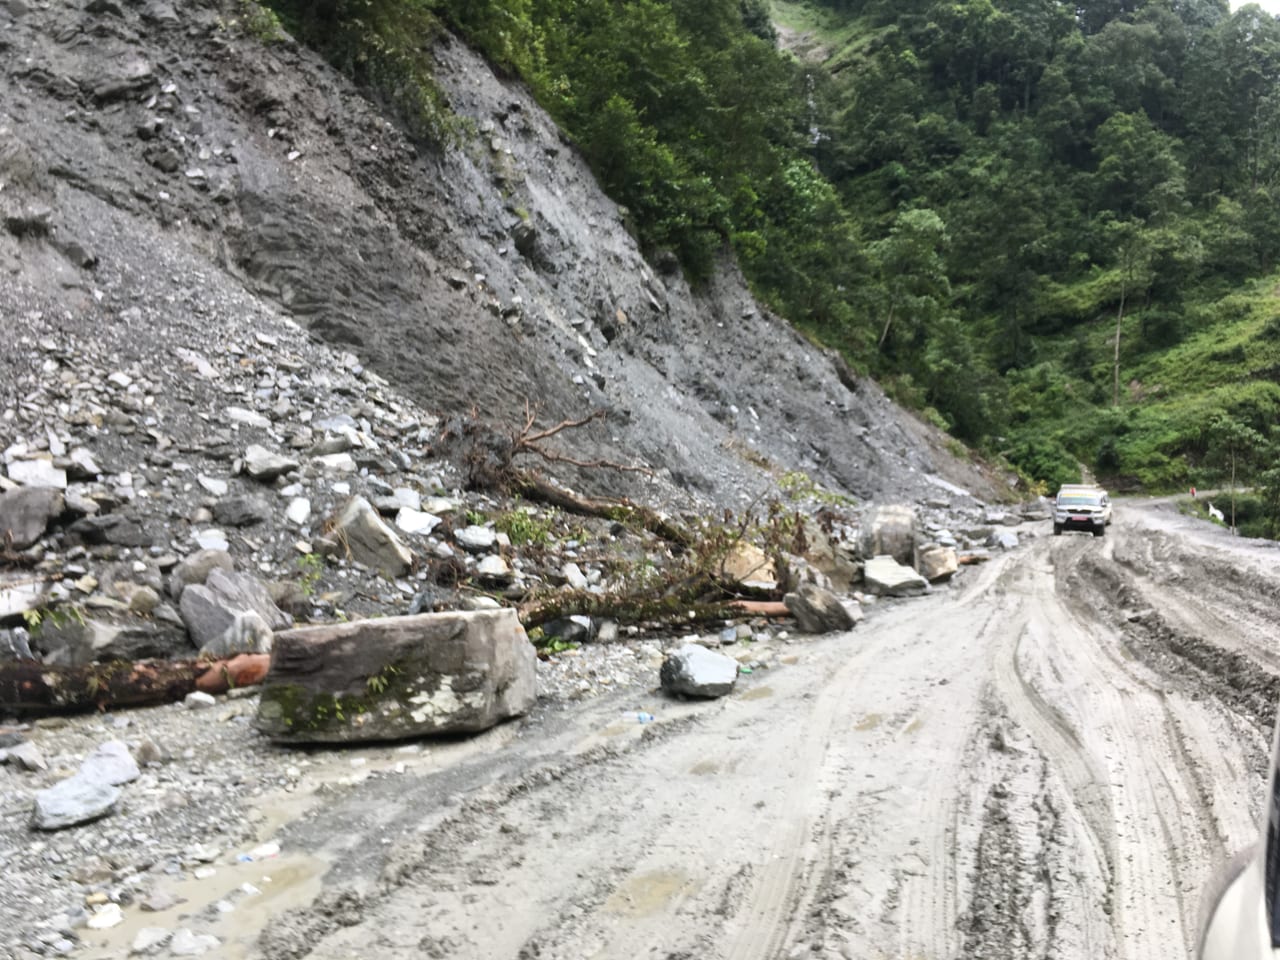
column 480, row 276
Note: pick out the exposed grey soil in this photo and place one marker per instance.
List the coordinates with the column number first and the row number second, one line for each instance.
column 1049, row 759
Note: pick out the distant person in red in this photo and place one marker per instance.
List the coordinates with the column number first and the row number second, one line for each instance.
column 1193, row 493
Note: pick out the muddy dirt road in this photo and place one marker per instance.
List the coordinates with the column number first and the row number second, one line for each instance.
column 1047, row 761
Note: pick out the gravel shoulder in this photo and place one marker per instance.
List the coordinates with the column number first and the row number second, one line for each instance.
column 1048, row 759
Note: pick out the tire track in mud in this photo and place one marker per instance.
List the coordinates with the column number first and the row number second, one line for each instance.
column 1242, row 683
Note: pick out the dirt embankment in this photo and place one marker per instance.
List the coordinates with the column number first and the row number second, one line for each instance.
column 1047, row 760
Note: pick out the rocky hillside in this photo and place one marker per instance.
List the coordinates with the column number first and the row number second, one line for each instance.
column 167, row 176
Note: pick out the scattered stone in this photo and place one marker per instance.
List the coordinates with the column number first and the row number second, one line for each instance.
column 159, row 901
column 416, row 522
column 695, row 671
column 187, row 944
column 212, row 539
column 476, row 539
column 261, row 464
column 199, row 700
column 574, row 629
column 493, row 569
column 213, row 485
column 370, row 541
column 37, row 473
column 196, row 568
column 107, row 634
column 72, row 801
column 885, row 577
column 243, row 511
column 936, row 562
column 110, row 763
column 106, row 916
column 149, row 752
column 247, row 417
column 109, row 528
column 817, row 610
column 25, row 514
column 231, row 613
column 336, row 463
column 149, row 940
column 26, row 755
column 574, row 577
column 1004, row 539
column 299, row 511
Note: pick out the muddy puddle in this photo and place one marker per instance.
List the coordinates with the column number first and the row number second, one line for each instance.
column 234, row 903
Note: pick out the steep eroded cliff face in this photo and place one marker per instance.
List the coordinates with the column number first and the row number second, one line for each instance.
column 486, row 276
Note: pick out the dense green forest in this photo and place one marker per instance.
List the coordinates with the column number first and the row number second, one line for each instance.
column 1050, row 227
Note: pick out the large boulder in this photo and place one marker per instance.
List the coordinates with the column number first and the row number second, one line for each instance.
column 397, row 677
column 817, row 610
column 695, row 671
column 885, row 577
column 890, row 531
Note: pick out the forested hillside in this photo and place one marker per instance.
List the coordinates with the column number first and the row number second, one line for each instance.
column 1051, row 226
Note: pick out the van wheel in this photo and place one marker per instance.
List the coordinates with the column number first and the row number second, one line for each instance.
column 1099, row 531
column 1057, row 529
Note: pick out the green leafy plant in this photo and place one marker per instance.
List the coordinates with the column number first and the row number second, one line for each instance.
column 524, row 527
column 261, row 23
column 309, row 568
column 55, row 617
column 379, row 682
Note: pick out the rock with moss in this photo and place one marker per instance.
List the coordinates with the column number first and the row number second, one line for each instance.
column 397, row 677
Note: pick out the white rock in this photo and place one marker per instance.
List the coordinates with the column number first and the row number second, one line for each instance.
column 107, row 916
column 439, row 505
column 188, row 944
column 247, row 417
column 408, row 497
column 198, row 700
column 37, row 473
column 213, row 485
column 337, row 463
column 476, row 539
column 299, row 511
column 415, row 521
column 211, row 539
column 149, row 940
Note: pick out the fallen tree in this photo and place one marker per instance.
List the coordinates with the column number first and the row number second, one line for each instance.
column 32, row 687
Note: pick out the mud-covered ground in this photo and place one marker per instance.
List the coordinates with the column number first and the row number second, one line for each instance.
column 1049, row 759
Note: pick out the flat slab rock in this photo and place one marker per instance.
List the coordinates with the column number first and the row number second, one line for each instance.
column 885, row 577
column 398, row 677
